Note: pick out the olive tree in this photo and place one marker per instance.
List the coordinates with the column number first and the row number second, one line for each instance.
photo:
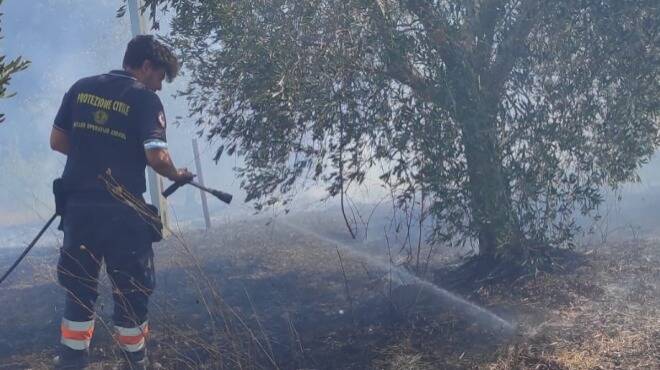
column 508, row 116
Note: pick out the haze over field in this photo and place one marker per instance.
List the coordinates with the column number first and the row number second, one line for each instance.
column 67, row 40
column 467, row 146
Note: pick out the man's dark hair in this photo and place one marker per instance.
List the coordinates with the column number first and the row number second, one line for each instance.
column 146, row 47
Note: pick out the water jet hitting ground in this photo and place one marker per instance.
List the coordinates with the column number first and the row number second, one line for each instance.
column 404, row 280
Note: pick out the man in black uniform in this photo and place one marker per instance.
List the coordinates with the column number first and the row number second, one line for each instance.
column 115, row 122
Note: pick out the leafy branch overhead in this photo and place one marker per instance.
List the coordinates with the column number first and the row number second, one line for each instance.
column 7, row 69
column 507, row 115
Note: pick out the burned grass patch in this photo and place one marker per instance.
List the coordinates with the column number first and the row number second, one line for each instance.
column 259, row 295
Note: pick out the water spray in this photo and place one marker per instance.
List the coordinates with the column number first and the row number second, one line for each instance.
column 403, row 278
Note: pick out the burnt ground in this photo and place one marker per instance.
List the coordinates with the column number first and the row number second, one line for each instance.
column 263, row 295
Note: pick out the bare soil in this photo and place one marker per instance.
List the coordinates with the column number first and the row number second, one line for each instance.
column 261, row 294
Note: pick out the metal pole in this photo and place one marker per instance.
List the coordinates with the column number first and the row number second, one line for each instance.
column 200, row 179
column 138, row 27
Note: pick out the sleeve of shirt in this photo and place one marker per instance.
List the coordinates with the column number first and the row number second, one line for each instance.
column 63, row 119
column 151, row 122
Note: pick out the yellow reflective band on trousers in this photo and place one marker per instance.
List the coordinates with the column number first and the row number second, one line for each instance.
column 76, row 334
column 132, row 339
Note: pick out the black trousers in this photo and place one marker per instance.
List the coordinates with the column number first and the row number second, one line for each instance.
column 98, row 231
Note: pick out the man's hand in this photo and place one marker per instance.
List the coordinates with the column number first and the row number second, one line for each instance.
column 160, row 161
column 182, row 175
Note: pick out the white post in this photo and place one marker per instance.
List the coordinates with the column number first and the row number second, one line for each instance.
column 200, row 178
column 138, row 27
column 137, row 21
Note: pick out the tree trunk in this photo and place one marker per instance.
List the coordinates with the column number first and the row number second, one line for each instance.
column 489, row 199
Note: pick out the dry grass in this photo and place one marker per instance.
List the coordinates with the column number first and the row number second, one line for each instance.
column 606, row 315
column 273, row 292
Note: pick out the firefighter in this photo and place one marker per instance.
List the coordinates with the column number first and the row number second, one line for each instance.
column 114, row 121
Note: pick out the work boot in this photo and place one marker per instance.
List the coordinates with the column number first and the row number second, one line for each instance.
column 71, row 359
column 136, row 360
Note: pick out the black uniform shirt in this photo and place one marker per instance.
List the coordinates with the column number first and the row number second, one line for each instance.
column 110, row 119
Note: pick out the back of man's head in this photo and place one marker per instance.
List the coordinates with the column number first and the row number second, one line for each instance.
column 146, row 47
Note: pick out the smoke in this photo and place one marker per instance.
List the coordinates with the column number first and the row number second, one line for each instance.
column 70, row 39
column 66, row 40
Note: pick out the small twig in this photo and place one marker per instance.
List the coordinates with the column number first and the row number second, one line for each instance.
column 294, row 333
column 261, row 329
column 346, row 287
column 389, row 272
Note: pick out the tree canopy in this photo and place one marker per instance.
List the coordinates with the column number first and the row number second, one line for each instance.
column 507, row 116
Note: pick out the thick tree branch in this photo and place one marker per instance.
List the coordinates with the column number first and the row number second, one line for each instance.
column 399, row 68
column 437, row 31
column 486, row 17
column 510, row 48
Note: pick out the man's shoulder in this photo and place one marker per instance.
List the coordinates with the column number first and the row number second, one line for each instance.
column 143, row 94
column 81, row 83
column 87, row 84
column 87, row 80
column 128, row 86
column 114, row 79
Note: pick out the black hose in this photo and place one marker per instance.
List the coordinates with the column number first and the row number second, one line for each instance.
column 27, row 250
